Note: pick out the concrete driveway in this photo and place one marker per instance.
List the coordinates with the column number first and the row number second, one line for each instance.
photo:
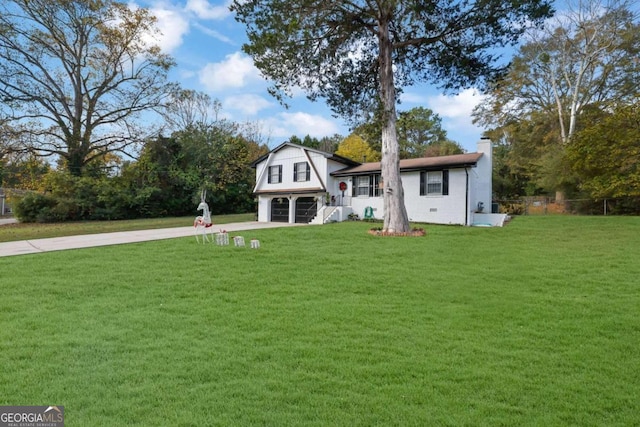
column 24, row 247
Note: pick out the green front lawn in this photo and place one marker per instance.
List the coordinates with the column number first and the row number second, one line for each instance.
column 536, row 323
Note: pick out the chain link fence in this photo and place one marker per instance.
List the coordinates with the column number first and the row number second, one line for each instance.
column 550, row 206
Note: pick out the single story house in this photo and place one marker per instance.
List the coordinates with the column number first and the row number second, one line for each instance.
column 298, row 184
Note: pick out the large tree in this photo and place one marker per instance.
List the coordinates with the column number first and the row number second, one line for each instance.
column 585, row 57
column 417, row 129
column 357, row 54
column 582, row 62
column 75, row 74
column 606, row 155
column 186, row 108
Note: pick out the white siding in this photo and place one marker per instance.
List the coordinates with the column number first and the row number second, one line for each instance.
column 287, row 157
column 445, row 209
column 453, row 208
column 482, row 190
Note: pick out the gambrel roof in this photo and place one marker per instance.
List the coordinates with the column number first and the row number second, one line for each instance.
column 329, row 156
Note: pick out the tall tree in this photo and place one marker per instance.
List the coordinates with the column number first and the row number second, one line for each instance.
column 585, row 57
column 442, row 148
column 585, row 60
column 357, row 53
column 23, row 171
column 606, row 155
column 186, row 108
column 419, row 128
column 75, row 74
column 330, row 144
column 355, row 148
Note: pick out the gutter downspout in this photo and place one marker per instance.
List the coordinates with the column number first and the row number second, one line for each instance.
column 466, row 199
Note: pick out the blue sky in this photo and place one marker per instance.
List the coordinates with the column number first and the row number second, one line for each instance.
column 206, row 43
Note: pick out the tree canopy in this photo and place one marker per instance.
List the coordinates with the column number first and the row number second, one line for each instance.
column 74, row 74
column 585, row 58
column 420, row 134
column 357, row 54
column 563, row 80
column 355, row 148
column 606, row 156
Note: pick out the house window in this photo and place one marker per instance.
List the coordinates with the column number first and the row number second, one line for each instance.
column 367, row 185
column 362, row 186
column 378, row 186
column 275, row 174
column 434, row 183
column 301, row 172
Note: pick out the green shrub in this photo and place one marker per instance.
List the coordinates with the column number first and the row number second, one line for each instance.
column 34, row 207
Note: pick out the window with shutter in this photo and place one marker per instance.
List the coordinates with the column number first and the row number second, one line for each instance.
column 435, row 183
column 275, row 174
column 301, row 172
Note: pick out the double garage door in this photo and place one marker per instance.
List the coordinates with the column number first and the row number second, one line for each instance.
column 306, row 208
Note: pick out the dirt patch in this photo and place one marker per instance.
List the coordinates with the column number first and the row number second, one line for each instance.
column 415, row 232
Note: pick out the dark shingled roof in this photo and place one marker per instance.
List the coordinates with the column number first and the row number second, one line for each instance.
column 423, row 163
column 329, row 156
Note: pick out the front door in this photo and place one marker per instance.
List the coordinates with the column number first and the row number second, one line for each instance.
column 306, row 209
column 280, row 210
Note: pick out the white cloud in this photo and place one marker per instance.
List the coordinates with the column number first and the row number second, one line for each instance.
column 213, row 33
column 174, row 22
column 412, row 98
column 302, row 124
column 247, row 104
column 455, row 112
column 186, row 74
column 204, row 10
column 236, row 70
column 455, row 107
column 172, row 25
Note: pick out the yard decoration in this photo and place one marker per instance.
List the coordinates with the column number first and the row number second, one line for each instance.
column 255, row 244
column 203, row 223
column 238, row 241
column 222, row 238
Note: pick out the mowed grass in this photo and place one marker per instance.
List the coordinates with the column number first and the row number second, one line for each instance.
column 536, row 323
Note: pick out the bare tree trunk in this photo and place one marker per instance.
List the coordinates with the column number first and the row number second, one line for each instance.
column 395, row 212
column 554, row 84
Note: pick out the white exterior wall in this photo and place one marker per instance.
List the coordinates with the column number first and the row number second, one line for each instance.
column 287, row 157
column 360, row 203
column 333, row 184
column 448, row 209
column 320, row 178
column 481, row 178
column 263, row 208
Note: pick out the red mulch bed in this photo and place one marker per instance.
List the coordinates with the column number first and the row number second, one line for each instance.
column 416, row 232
